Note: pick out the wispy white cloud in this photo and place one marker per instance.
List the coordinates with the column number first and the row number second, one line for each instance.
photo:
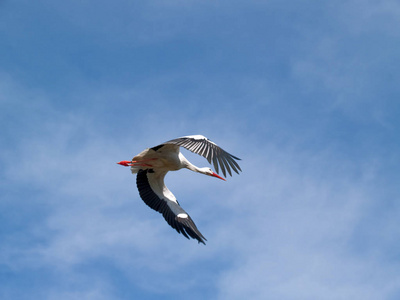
column 377, row 16
column 309, row 217
column 352, row 61
column 285, row 227
column 294, row 236
column 88, row 207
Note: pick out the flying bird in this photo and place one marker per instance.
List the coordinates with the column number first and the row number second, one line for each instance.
column 152, row 164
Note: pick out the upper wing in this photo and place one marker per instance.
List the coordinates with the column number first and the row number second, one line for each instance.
column 201, row 145
column 151, row 188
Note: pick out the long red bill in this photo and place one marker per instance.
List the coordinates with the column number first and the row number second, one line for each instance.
column 215, row 175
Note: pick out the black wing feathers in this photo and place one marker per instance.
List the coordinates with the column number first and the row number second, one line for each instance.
column 157, row 147
column 204, row 147
column 185, row 226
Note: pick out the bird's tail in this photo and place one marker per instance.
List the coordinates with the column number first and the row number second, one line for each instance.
column 134, row 169
column 142, row 164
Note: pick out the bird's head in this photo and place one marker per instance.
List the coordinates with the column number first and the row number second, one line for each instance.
column 210, row 172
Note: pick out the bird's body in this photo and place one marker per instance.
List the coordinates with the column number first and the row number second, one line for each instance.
column 152, row 164
column 163, row 159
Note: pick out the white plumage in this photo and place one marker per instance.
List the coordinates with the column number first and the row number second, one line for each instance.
column 152, row 164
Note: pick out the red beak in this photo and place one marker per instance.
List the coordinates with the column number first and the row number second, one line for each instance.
column 125, row 163
column 215, row 175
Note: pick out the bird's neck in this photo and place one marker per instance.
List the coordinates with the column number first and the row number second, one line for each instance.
column 194, row 168
column 188, row 165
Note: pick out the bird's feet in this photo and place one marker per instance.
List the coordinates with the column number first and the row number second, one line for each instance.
column 136, row 163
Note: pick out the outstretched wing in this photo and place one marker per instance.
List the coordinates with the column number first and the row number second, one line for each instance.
column 155, row 194
column 201, row 145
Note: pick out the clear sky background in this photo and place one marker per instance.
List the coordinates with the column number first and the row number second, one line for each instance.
column 306, row 93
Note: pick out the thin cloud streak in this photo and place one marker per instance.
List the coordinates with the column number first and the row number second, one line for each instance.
column 304, row 95
column 289, row 212
column 294, row 237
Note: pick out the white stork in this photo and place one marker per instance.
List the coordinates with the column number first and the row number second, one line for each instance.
column 152, row 164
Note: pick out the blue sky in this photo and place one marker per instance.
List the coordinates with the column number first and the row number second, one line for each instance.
column 305, row 92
